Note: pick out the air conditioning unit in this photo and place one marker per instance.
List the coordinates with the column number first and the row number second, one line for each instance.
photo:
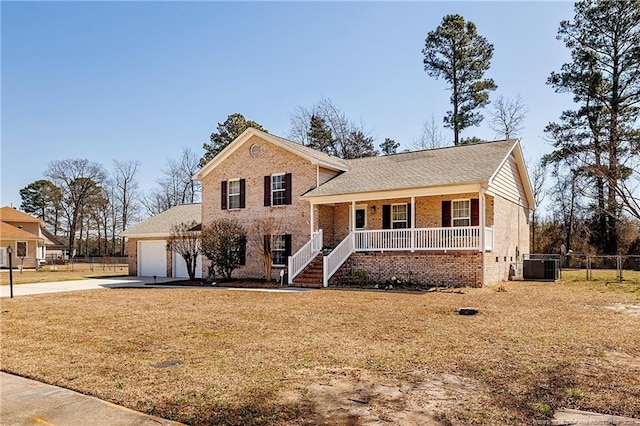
column 547, row 269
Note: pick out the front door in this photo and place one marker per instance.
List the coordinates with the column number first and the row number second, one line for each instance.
column 361, row 218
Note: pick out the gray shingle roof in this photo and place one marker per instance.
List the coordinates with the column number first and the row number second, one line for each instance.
column 161, row 224
column 419, row 169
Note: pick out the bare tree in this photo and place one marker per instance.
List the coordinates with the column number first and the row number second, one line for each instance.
column 431, row 136
column 184, row 239
column 79, row 180
column 260, row 237
column 507, row 117
column 124, row 178
column 539, row 174
column 349, row 139
column 176, row 187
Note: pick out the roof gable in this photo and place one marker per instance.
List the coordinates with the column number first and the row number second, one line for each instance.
column 160, row 224
column 312, row 155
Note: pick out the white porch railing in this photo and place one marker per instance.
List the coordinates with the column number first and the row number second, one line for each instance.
column 337, row 257
column 297, row 262
column 453, row 238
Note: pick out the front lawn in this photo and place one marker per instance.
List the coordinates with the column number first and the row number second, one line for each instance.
column 206, row 356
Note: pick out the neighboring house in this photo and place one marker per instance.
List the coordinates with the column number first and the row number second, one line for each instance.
column 147, row 249
column 26, row 236
column 447, row 216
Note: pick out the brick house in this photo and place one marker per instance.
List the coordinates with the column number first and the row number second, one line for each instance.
column 454, row 216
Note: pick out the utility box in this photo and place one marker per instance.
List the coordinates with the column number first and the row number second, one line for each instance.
column 539, row 269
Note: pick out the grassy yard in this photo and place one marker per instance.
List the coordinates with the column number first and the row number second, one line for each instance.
column 67, row 272
column 337, row 356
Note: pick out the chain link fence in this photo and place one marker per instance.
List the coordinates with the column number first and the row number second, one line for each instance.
column 595, row 267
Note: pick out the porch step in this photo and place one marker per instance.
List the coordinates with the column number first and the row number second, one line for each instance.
column 312, row 276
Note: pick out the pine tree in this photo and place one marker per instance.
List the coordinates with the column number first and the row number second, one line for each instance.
column 455, row 52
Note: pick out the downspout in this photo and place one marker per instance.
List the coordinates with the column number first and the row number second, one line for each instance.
column 483, row 222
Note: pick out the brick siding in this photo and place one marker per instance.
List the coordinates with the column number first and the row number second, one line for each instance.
column 294, row 218
column 455, row 269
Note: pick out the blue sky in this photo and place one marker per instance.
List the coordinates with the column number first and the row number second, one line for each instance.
column 142, row 80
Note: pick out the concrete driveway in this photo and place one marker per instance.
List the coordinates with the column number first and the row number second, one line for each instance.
column 117, row 282
column 88, row 284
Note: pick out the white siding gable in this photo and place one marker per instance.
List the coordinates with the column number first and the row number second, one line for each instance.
column 507, row 182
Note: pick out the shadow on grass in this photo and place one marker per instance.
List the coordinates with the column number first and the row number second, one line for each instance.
column 251, row 414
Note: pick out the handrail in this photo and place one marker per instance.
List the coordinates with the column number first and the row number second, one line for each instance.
column 298, row 261
column 449, row 238
column 335, row 259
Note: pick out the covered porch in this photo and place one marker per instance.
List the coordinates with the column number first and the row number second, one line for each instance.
column 430, row 223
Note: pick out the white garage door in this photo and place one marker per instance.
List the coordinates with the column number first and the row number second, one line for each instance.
column 152, row 258
column 180, row 266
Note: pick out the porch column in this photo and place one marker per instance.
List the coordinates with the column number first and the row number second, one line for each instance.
column 413, row 224
column 312, row 219
column 353, row 216
column 481, row 206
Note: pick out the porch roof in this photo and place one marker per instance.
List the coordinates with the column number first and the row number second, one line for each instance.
column 458, row 165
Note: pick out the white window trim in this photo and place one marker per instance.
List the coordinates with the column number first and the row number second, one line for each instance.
column 283, row 190
column 468, row 200
column 283, row 249
column 229, row 194
column 405, row 221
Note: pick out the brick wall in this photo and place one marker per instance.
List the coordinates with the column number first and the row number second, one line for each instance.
column 294, row 218
column 441, row 269
column 510, row 234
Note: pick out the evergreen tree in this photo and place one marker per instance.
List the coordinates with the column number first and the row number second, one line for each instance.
column 42, row 199
column 601, row 136
column 233, row 126
column 455, row 52
column 319, row 135
column 389, row 146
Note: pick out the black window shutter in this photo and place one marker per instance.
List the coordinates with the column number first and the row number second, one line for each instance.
column 223, row 195
column 266, row 241
column 287, row 188
column 287, row 245
column 408, row 215
column 243, row 185
column 267, row 191
column 386, row 216
column 446, row 214
column 243, row 255
column 475, row 212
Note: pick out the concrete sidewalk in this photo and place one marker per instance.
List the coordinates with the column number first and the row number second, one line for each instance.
column 26, row 402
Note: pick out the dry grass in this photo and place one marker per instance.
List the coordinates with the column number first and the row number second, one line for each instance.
column 68, row 272
column 310, row 358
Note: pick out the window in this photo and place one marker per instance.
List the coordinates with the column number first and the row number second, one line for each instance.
column 279, row 250
column 233, row 188
column 21, row 249
column 277, row 190
column 399, row 216
column 232, row 194
column 460, row 213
